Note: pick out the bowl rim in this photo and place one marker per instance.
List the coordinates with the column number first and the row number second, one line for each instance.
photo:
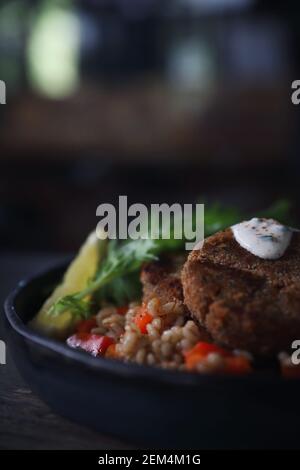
column 119, row 368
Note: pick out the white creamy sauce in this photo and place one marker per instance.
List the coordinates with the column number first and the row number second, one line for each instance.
column 264, row 238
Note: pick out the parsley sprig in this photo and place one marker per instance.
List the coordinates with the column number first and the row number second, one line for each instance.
column 121, row 260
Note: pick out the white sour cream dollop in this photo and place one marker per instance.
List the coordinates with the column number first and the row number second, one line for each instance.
column 264, row 238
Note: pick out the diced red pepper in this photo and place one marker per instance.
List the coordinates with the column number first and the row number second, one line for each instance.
column 237, row 365
column 111, row 351
column 142, row 319
column 207, row 348
column 95, row 345
column 122, row 310
column 85, row 326
column 200, row 351
column 232, row 364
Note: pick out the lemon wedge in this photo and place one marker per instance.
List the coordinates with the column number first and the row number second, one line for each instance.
column 78, row 274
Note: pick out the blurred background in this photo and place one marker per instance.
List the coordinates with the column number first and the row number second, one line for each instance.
column 163, row 101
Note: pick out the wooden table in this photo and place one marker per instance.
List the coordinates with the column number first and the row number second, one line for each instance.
column 25, row 421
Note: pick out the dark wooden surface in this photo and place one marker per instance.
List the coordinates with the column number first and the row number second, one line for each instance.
column 25, row 421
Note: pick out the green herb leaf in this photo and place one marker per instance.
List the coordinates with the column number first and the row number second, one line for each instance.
column 121, row 290
column 73, row 304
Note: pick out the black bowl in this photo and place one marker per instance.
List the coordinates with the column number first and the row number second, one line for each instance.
column 145, row 405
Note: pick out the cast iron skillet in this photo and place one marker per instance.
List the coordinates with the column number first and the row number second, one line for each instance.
column 145, row 405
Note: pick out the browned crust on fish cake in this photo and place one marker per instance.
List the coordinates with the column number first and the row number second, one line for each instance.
column 244, row 301
column 162, row 279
